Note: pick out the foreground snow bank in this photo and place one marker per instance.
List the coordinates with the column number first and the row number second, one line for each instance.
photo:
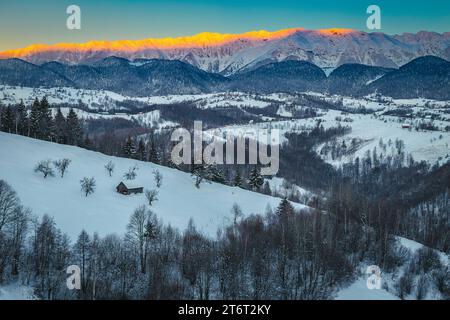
column 358, row 291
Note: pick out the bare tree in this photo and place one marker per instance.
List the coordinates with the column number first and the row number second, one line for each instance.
column 158, row 178
column 45, row 168
column 8, row 203
column 236, row 211
column 110, row 167
column 131, row 174
column 140, row 231
column 151, row 195
column 62, row 165
column 87, row 185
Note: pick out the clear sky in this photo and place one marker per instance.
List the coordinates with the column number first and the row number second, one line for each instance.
column 24, row 22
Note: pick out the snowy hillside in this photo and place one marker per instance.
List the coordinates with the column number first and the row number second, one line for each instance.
column 367, row 129
column 358, row 289
column 105, row 100
column 146, row 119
column 106, row 211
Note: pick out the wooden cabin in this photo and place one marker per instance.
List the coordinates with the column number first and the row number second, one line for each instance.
column 123, row 189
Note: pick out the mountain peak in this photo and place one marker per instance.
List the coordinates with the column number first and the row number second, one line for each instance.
column 235, row 53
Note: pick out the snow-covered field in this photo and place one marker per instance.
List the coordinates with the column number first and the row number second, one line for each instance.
column 106, row 211
column 358, row 290
column 148, row 119
column 431, row 146
column 95, row 99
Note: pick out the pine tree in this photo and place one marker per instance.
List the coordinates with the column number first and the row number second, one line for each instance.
column 46, row 125
column 22, row 119
column 285, row 209
column 60, row 127
column 140, row 153
column 74, row 132
column 217, row 175
column 34, row 119
column 8, row 120
column 129, row 150
column 237, row 179
column 256, row 180
column 153, row 154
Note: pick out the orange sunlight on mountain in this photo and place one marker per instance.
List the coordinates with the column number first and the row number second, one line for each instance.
column 205, row 39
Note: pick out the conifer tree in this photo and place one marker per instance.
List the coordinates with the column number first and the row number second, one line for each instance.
column 129, row 150
column 74, row 132
column 256, row 180
column 140, row 152
column 285, row 209
column 35, row 119
column 217, row 175
column 153, row 154
column 22, row 120
column 237, row 179
column 46, row 125
column 8, row 120
column 60, row 127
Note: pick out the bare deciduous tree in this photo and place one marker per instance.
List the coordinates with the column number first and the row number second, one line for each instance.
column 45, row 168
column 151, row 195
column 62, row 165
column 140, row 231
column 110, row 167
column 158, row 178
column 131, row 174
column 87, row 185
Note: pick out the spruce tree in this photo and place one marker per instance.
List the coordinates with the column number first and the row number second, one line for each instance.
column 46, row 126
column 153, row 154
column 140, row 153
column 34, row 119
column 22, row 119
column 217, row 175
column 8, row 120
column 129, row 149
column 237, row 179
column 74, row 132
column 285, row 209
column 60, row 127
column 256, row 180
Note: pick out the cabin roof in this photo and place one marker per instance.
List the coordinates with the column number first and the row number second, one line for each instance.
column 128, row 187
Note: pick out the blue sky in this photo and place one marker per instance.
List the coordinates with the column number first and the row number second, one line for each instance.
column 23, row 22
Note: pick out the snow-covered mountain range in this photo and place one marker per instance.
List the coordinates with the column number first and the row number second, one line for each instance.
column 234, row 53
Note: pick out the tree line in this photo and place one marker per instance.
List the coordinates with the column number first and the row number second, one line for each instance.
column 38, row 122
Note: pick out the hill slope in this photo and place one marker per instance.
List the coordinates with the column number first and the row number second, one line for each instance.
column 287, row 76
column 426, row 77
column 106, row 211
column 148, row 77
